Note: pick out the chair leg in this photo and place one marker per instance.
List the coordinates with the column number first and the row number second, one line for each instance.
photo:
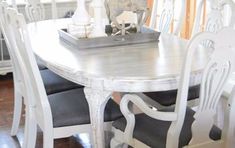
column 18, row 101
column 48, row 139
column 114, row 143
column 91, row 138
column 30, row 134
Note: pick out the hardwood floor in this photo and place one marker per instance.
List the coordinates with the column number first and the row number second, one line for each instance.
column 6, row 113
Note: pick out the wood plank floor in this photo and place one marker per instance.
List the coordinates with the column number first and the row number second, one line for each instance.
column 6, row 113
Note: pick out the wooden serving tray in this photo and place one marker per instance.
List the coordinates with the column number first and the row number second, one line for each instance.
column 146, row 35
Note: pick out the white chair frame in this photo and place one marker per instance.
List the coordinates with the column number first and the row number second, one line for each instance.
column 33, row 114
column 167, row 16
column 217, row 71
column 214, row 19
column 5, row 64
column 35, row 10
column 165, row 21
column 214, row 22
column 18, row 86
column 37, row 110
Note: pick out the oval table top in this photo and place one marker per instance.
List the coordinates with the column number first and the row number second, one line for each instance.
column 143, row 67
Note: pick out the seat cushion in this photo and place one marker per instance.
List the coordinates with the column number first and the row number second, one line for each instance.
column 154, row 132
column 167, row 98
column 71, row 108
column 41, row 66
column 54, row 83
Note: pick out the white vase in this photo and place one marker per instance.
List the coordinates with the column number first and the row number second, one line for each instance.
column 81, row 16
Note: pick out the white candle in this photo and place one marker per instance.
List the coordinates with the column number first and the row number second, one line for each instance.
column 98, row 28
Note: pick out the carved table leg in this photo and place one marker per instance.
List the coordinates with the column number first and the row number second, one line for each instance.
column 97, row 100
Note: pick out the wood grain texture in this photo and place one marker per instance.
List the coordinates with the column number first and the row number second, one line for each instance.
column 132, row 68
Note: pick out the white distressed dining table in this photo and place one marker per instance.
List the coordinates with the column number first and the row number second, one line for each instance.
column 146, row 67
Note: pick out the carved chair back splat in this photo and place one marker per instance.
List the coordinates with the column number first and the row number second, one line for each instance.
column 35, row 10
column 219, row 13
column 220, row 66
column 167, row 16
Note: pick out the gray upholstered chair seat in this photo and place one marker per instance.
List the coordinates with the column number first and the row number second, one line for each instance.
column 71, row 108
column 41, row 66
column 167, row 98
column 54, row 83
column 154, row 132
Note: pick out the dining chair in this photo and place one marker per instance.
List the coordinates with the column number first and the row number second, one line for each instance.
column 34, row 10
column 218, row 14
column 165, row 19
column 52, row 82
column 58, row 115
column 214, row 21
column 181, row 126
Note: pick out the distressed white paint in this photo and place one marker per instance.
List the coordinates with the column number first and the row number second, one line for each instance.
column 97, row 100
column 38, row 110
column 133, row 68
column 18, row 86
column 219, row 68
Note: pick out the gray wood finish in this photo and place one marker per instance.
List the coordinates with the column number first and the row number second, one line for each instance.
column 146, row 35
column 133, row 68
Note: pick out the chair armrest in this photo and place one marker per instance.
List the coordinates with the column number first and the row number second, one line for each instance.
column 146, row 108
column 150, row 101
column 229, row 86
